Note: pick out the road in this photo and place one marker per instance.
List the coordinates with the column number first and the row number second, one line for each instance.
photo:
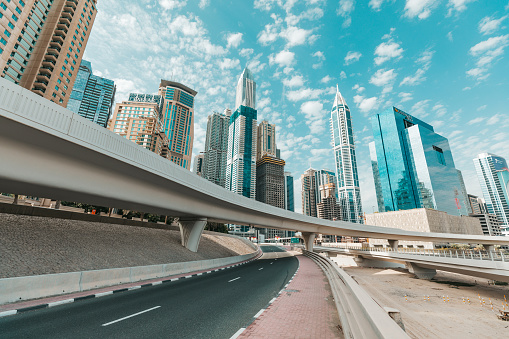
column 212, row 305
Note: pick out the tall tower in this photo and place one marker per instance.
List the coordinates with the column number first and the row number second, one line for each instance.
column 289, row 199
column 178, row 120
column 309, row 189
column 92, row 97
column 242, row 139
column 216, row 146
column 43, row 43
column 493, row 174
column 349, row 192
column 266, row 144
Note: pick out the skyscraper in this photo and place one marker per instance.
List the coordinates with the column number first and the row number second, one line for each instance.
column 349, row 192
column 493, row 174
column 266, row 144
column 178, row 120
column 198, row 164
column 328, row 208
column 289, row 198
column 43, row 43
column 376, row 177
column 216, row 146
column 309, row 189
column 242, row 139
column 415, row 165
column 92, row 97
column 270, row 181
column 323, row 178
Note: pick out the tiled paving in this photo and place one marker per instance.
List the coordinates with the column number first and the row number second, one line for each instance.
column 305, row 309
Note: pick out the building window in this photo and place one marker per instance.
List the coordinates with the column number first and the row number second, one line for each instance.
column 3, row 41
column 440, row 155
column 4, row 6
column 11, row 26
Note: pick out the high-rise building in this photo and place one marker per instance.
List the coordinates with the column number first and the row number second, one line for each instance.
column 349, row 192
column 376, row 177
column 198, row 164
column 464, row 194
column 328, row 207
column 493, row 175
column 178, row 120
column 309, row 189
column 477, row 206
column 42, row 43
column 139, row 120
column 242, row 139
column 216, row 146
column 324, row 177
column 270, row 181
column 415, row 165
column 289, row 198
column 266, row 144
column 92, row 97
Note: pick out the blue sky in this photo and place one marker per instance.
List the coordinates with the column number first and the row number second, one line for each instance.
column 443, row 61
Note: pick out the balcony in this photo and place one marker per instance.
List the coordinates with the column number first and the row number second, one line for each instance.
column 46, row 70
column 59, row 37
column 71, row 4
column 56, row 42
column 49, row 63
column 39, row 90
column 66, row 15
column 65, row 21
column 41, row 83
column 43, row 77
column 61, row 31
column 51, row 56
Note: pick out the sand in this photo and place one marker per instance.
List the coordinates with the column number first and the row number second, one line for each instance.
column 435, row 318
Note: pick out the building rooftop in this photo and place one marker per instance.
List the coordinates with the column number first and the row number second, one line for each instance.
column 167, row 83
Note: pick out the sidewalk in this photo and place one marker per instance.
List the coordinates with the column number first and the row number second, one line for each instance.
column 305, row 309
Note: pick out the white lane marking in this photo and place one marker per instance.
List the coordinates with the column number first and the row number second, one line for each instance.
column 239, row 332
column 260, row 269
column 61, row 302
column 133, row 288
column 188, row 276
column 199, row 274
column 103, row 294
column 273, row 299
column 174, row 279
column 271, row 263
column 130, row 316
column 259, row 313
column 208, row 272
column 157, row 283
column 234, row 279
column 6, row 313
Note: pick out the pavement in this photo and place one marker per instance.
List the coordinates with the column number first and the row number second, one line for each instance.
column 206, row 305
column 304, row 309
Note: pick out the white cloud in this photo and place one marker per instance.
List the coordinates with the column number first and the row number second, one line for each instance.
column 342, row 75
column 246, row 52
column 352, row 57
column 437, row 123
column 383, row 77
column 271, row 31
column 358, row 88
column 187, row 26
column 476, row 120
column 345, row 8
column 314, row 113
column 172, row 4
column 375, row 4
column 420, row 8
column 264, row 102
column 234, row 39
column 386, row 51
column 229, row 63
column 489, row 25
column 365, row 104
column 481, row 108
column 295, row 36
column 283, row 58
column 325, row 79
column 304, row 93
column 420, row 109
column 449, row 36
column 457, row 5
column 405, row 96
column 439, row 110
column 319, row 55
column 264, row 5
column 489, row 44
column 496, row 119
column 203, row 3
column 295, row 81
column 486, row 52
column 424, row 61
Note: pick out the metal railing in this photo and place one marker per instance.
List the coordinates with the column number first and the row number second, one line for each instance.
column 359, row 314
column 445, row 253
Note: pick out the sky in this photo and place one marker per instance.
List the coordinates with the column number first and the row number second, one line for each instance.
column 442, row 61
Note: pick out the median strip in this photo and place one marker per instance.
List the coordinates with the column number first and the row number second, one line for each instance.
column 130, row 316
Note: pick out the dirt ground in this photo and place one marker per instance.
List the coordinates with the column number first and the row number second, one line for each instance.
column 422, row 306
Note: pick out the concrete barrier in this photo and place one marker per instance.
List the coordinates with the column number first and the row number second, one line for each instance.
column 39, row 286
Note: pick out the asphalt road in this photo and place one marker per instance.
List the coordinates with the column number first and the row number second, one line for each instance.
column 214, row 305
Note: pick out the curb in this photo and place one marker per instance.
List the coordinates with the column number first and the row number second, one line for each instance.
column 123, row 289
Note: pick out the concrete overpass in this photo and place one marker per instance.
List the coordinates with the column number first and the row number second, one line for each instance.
column 49, row 151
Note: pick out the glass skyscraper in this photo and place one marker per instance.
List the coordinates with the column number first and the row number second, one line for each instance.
column 289, row 199
column 92, row 97
column 415, row 165
column 242, row 139
column 349, row 192
column 216, row 146
column 493, row 175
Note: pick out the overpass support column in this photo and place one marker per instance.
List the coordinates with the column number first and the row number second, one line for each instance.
column 309, row 238
column 191, row 231
column 393, row 244
column 421, row 272
column 489, row 248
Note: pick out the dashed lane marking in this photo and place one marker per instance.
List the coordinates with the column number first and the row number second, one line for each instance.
column 130, row 316
column 233, row 279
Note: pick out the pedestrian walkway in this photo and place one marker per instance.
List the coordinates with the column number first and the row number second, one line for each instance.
column 305, row 309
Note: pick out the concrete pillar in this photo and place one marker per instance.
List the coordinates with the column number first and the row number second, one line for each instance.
column 489, row 248
column 421, row 272
column 393, row 244
column 16, row 198
column 309, row 238
column 191, row 231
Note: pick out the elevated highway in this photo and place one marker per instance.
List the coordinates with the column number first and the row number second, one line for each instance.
column 48, row 151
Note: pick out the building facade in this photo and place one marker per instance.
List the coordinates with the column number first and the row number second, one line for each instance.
column 270, row 181
column 328, row 207
column 289, row 197
column 266, row 143
column 376, row 177
column 477, row 205
column 309, row 192
column 92, row 96
column 198, row 164
column 178, row 120
column 415, row 165
column 42, row 44
column 349, row 192
column 324, row 177
column 489, row 223
column 242, row 140
column 493, row 174
column 216, row 147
